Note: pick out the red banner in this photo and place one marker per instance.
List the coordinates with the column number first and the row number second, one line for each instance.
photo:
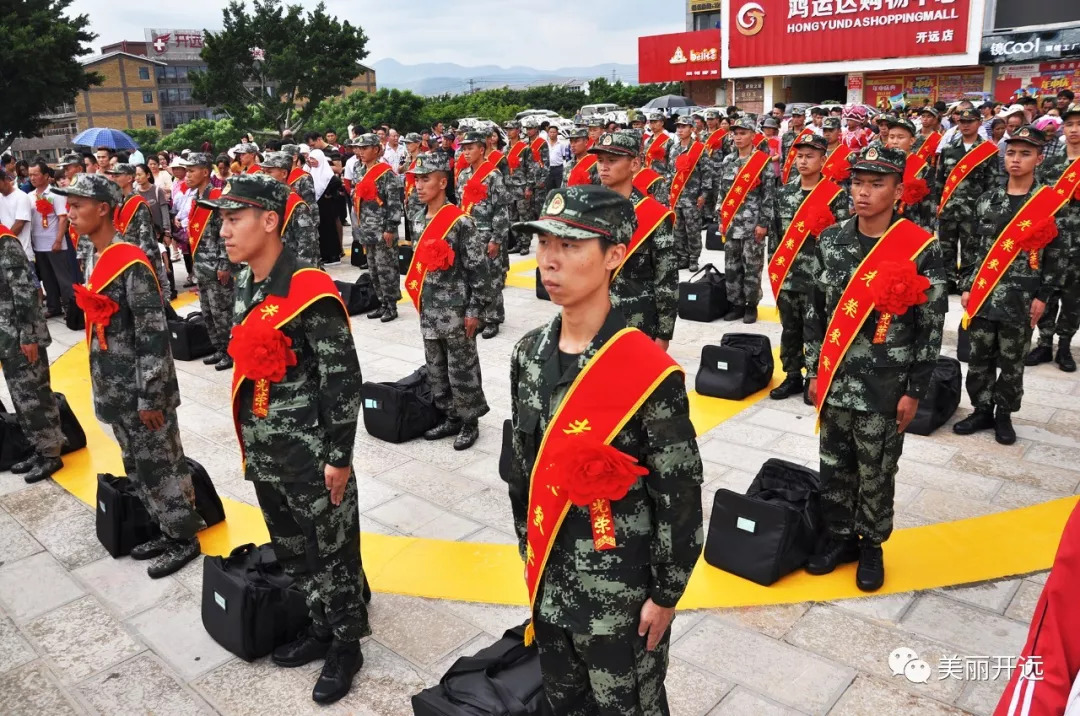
column 679, row 56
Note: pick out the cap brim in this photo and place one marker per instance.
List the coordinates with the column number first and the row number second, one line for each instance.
column 1025, row 140
column 226, row 203
column 558, row 228
column 875, row 167
column 611, row 149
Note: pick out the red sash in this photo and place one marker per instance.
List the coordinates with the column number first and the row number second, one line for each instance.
column 715, row 140
column 969, row 163
column 534, row 147
column 73, row 236
column 678, row 182
column 123, row 216
column 1069, row 181
column 295, row 175
column 837, row 163
column 436, row 230
column 253, row 169
column 471, row 192
column 513, row 159
column 657, row 142
column 600, row 401
column 758, row 139
column 307, row 286
column 200, row 217
column 410, row 179
column 802, row 223
column 590, row 143
column 1045, row 203
column 6, row 233
column 459, row 164
column 650, row 214
column 645, row 178
column 291, row 203
column 114, row 260
column 904, row 241
column 367, row 187
column 495, row 157
column 580, row 174
column 928, row 148
column 789, row 161
column 743, row 184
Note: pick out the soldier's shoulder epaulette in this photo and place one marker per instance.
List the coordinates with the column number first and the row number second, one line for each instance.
column 835, row 230
column 527, row 344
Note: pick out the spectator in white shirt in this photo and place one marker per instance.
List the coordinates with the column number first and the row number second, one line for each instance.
column 48, row 235
column 558, row 153
column 15, row 212
column 394, row 153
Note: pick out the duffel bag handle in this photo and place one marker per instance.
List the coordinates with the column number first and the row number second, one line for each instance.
column 707, row 269
column 487, row 665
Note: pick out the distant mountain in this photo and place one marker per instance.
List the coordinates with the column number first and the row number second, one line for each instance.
column 431, row 78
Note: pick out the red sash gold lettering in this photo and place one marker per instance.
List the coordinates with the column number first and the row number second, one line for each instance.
column 534, row 147
column 291, row 203
column 928, row 148
column 1042, row 205
column 715, row 140
column 837, row 163
column 904, row 241
column 656, row 147
column 789, row 161
column 366, row 190
column 645, row 178
column 113, row 261
column 601, row 400
column 295, row 175
column 650, row 214
column 678, row 182
column 436, row 230
column 801, row 225
column 969, row 163
column 513, row 158
column 200, row 217
column 474, row 185
column 743, row 185
column 580, row 174
column 124, row 215
column 307, row 286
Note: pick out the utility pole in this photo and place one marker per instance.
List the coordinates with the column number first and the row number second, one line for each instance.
column 472, row 87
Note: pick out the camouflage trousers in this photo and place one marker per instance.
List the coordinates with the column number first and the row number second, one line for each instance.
column 744, row 260
column 495, row 312
column 859, row 453
column 793, row 307
column 995, row 375
column 318, row 545
column 216, row 303
column 454, row 371
column 1065, row 323
column 949, row 240
column 688, row 228
column 35, row 405
column 588, row 675
column 154, row 461
column 383, row 267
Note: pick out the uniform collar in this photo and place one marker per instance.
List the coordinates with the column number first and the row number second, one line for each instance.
column 549, row 347
column 850, row 229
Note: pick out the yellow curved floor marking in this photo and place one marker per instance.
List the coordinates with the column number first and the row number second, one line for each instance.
column 998, row 545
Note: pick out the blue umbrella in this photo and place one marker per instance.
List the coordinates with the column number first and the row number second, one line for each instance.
column 105, row 137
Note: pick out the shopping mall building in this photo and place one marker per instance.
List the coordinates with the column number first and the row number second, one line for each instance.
column 754, row 53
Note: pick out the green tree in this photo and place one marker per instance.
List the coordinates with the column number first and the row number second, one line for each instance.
column 147, row 139
column 221, row 133
column 272, row 67
column 398, row 108
column 39, row 71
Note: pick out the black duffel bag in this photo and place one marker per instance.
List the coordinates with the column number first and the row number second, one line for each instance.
column 703, row 299
column 74, row 318
column 249, row 605
column 500, row 680
column 400, row 411
column 740, row 366
column 358, row 256
column 74, row 436
column 506, row 454
column 189, row 338
column 207, row 502
column 358, row 297
column 771, row 530
column 714, row 238
column 541, row 292
column 963, row 345
column 942, row 397
column 404, row 258
column 14, row 447
column 122, row 521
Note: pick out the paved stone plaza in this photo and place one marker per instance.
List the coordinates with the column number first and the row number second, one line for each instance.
column 81, row 632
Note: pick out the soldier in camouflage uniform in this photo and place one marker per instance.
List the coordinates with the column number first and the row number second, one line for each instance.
column 1068, row 223
column 900, row 134
column 744, row 250
column 24, row 338
column 140, row 230
column 603, row 623
column 796, row 293
column 378, row 219
column 538, row 165
column 931, row 123
column 134, row 381
column 795, row 127
column 304, row 184
column 691, row 201
column 1000, row 332
column 958, row 217
column 299, row 456
column 876, row 390
column 595, row 126
column 517, row 182
column 300, row 235
column 714, row 158
column 659, row 155
column 492, row 217
column 451, row 303
column 579, row 148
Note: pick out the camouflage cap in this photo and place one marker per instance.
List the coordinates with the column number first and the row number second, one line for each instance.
column 626, row 144
column 881, row 160
column 127, row 169
column 903, row 123
column 634, row 116
column 246, row 148
column 511, row 124
column 770, row 123
column 968, row 114
column 92, row 186
column 814, row 141
column 72, row 158
column 830, row 123
column 201, row 159
column 745, row 122
column 276, row 160
column 595, row 121
column 929, row 109
column 584, row 212
column 1027, row 135
column 472, row 137
column 1072, row 109
column 684, row 120
column 578, row 133
column 260, row 191
column 413, row 138
column 883, row 117
column 655, row 116
column 291, row 149
column 430, row 162
column 712, row 114
column 367, row 140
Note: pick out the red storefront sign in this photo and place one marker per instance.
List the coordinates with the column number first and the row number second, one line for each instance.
column 679, row 56
column 782, row 33
column 1039, row 79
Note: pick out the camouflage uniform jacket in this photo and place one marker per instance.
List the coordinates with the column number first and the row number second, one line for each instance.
column 662, row 166
column 758, row 206
column 1068, row 218
column 140, row 231
column 313, row 410
column 21, row 319
column 873, row 377
column 537, row 172
column 657, row 524
column 1011, row 298
column 211, row 254
column 449, row 297
column 305, row 187
column 301, row 236
column 136, row 371
column 646, row 291
column 803, row 273
column 986, row 176
column 378, row 216
column 594, row 173
column 699, row 184
column 786, row 140
column 518, row 178
column 492, row 215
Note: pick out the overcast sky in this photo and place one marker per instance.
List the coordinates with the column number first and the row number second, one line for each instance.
column 544, row 35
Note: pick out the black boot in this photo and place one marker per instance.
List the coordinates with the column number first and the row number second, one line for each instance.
column 44, row 469
column 213, row 358
column 377, row 313
column 837, row 549
column 226, row 363
column 981, row 419
column 151, row 549
column 1064, row 357
column 792, row 385
column 736, row 311
column 448, row 427
column 311, row 644
column 490, row 330
column 1003, row 427
column 470, row 431
column 871, row 572
column 173, row 559
column 21, row 468
column 388, row 314
column 750, row 315
column 342, row 662
column 1039, row 354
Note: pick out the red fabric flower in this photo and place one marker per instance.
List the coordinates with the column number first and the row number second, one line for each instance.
column 657, row 150
column 682, row 163
column 590, row 471
column 261, row 352
column 43, row 206
column 436, row 255
column 1040, row 235
column 97, row 307
column 821, row 218
column 474, row 192
column 513, row 160
column 914, row 192
column 367, row 191
column 838, row 171
column 897, row 287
